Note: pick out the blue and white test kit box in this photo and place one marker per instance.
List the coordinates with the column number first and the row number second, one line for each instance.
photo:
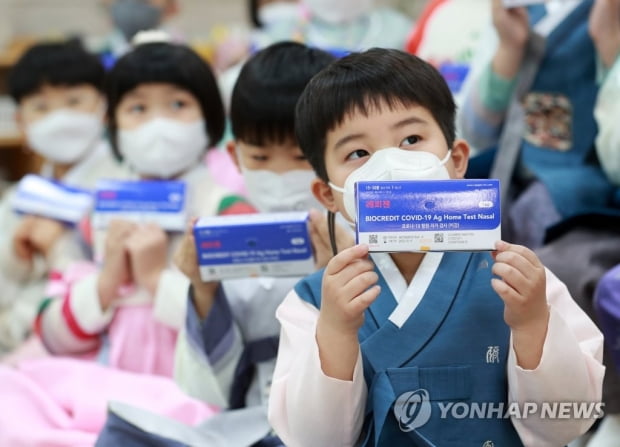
column 141, row 201
column 39, row 196
column 428, row 215
column 250, row 245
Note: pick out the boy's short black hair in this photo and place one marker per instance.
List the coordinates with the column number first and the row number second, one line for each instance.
column 169, row 63
column 263, row 101
column 55, row 64
column 360, row 82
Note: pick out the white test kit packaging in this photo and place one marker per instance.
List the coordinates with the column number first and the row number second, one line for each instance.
column 39, row 196
column 141, row 201
column 428, row 215
column 250, row 245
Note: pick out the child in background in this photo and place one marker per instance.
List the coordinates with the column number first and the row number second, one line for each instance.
column 129, row 17
column 164, row 112
column 557, row 174
column 60, row 106
column 605, row 31
column 275, row 21
column 372, row 338
column 278, row 178
column 561, row 200
column 354, row 25
column 337, row 27
column 227, row 352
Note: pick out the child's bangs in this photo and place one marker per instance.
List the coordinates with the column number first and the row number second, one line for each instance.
column 154, row 72
column 363, row 98
column 264, row 124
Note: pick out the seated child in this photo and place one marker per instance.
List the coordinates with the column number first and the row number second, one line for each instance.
column 375, row 349
column 354, row 25
column 164, row 112
column 227, row 352
column 60, row 106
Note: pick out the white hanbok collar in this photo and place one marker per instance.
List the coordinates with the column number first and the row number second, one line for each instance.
column 407, row 296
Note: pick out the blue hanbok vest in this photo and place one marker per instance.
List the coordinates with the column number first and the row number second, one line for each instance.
column 451, row 353
column 573, row 177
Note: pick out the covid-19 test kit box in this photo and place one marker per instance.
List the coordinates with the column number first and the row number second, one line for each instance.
column 251, row 245
column 142, row 201
column 428, row 215
column 40, row 196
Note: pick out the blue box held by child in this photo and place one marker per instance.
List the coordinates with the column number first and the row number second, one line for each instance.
column 142, row 201
column 43, row 197
column 428, row 215
column 251, row 245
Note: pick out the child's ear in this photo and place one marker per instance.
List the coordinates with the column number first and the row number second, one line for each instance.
column 324, row 194
column 460, row 157
column 231, row 148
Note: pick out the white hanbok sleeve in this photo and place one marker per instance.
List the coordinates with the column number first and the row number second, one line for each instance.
column 570, row 371
column 306, row 407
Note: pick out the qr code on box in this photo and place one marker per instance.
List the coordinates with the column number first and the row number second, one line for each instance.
column 438, row 237
column 373, row 239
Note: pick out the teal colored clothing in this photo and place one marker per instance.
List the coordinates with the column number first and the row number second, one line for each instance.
column 453, row 349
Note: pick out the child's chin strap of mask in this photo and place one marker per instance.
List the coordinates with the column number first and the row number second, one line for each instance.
column 331, row 229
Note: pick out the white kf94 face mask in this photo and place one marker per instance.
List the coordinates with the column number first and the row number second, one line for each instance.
column 271, row 192
column 340, row 11
column 278, row 12
column 162, row 147
column 393, row 164
column 65, row 136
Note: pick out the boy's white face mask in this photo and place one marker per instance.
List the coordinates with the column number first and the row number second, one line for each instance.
column 340, row 11
column 270, row 192
column 163, row 147
column 277, row 12
column 393, row 164
column 65, row 136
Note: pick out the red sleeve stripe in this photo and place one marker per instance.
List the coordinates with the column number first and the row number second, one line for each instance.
column 72, row 323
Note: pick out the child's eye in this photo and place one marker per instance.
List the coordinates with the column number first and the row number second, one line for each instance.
column 260, row 158
column 359, row 153
column 411, row 139
column 178, row 104
column 300, row 157
column 72, row 102
column 137, row 108
column 41, row 107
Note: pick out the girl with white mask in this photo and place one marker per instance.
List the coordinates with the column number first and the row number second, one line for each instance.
column 57, row 88
column 165, row 112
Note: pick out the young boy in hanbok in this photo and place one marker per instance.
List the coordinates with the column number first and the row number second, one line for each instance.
column 374, row 346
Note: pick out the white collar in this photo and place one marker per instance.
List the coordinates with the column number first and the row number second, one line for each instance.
column 409, row 296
